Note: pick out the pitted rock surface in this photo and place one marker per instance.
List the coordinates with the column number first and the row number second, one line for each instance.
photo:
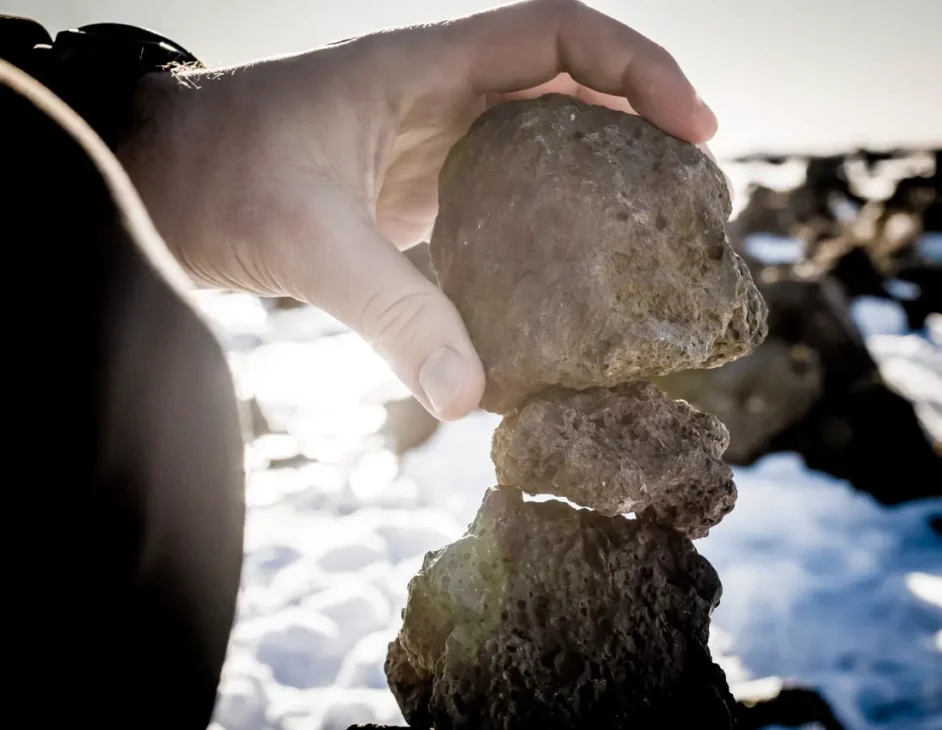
column 585, row 247
column 626, row 449
column 547, row 616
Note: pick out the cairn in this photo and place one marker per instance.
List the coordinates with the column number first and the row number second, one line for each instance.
column 586, row 251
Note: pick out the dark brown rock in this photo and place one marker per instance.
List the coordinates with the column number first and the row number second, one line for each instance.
column 547, row 616
column 857, row 428
column 756, row 397
column 788, row 707
column 627, row 449
column 585, row 247
column 411, row 684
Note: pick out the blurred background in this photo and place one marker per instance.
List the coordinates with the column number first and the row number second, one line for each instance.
column 782, row 75
column 831, row 130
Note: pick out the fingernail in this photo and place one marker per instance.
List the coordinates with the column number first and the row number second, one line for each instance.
column 441, row 376
column 707, row 107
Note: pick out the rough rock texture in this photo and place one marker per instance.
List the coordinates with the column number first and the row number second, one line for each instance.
column 547, row 616
column 627, row 449
column 755, row 397
column 585, row 247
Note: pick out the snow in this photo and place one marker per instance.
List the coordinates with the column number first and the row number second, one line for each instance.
column 929, row 247
column 821, row 584
column 903, row 290
column 877, row 316
column 818, row 586
column 771, row 249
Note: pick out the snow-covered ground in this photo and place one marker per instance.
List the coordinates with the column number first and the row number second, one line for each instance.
column 821, row 584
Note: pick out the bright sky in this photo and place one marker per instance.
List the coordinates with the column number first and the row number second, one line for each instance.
column 782, row 75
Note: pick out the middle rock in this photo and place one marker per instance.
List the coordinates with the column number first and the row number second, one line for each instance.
column 626, row 449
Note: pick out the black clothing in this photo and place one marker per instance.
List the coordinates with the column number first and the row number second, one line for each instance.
column 131, row 511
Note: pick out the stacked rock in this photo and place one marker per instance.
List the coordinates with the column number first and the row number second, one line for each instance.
column 586, row 251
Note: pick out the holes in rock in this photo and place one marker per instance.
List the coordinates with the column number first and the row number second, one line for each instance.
column 715, row 251
column 622, row 216
column 660, row 222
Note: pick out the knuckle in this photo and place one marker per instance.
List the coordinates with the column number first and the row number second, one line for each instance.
column 558, row 9
column 660, row 56
column 392, row 319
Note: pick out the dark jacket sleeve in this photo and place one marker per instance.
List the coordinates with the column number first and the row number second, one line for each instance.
column 125, row 522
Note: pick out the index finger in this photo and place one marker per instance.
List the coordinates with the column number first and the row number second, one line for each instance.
column 520, row 46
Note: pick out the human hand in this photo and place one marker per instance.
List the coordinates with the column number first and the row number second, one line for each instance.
column 303, row 175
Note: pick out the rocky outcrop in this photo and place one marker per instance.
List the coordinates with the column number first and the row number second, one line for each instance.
column 586, row 251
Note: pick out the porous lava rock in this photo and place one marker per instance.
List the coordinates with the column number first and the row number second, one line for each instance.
column 547, row 616
column 625, row 449
column 585, row 247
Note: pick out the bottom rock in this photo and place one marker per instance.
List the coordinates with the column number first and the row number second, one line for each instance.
column 544, row 615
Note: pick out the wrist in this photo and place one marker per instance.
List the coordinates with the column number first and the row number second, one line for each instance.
column 145, row 149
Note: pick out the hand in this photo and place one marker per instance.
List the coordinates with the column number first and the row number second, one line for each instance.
column 303, row 175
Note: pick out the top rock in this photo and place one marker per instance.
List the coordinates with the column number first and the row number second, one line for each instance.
column 585, row 247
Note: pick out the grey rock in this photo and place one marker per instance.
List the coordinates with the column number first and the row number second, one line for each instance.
column 546, row 616
column 627, row 449
column 585, row 247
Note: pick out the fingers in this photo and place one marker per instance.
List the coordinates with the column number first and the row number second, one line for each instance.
column 362, row 279
column 521, row 46
column 565, row 84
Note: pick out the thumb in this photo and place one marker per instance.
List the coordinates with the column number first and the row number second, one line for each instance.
column 366, row 283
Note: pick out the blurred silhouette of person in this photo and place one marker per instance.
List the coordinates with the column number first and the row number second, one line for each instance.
column 131, row 174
